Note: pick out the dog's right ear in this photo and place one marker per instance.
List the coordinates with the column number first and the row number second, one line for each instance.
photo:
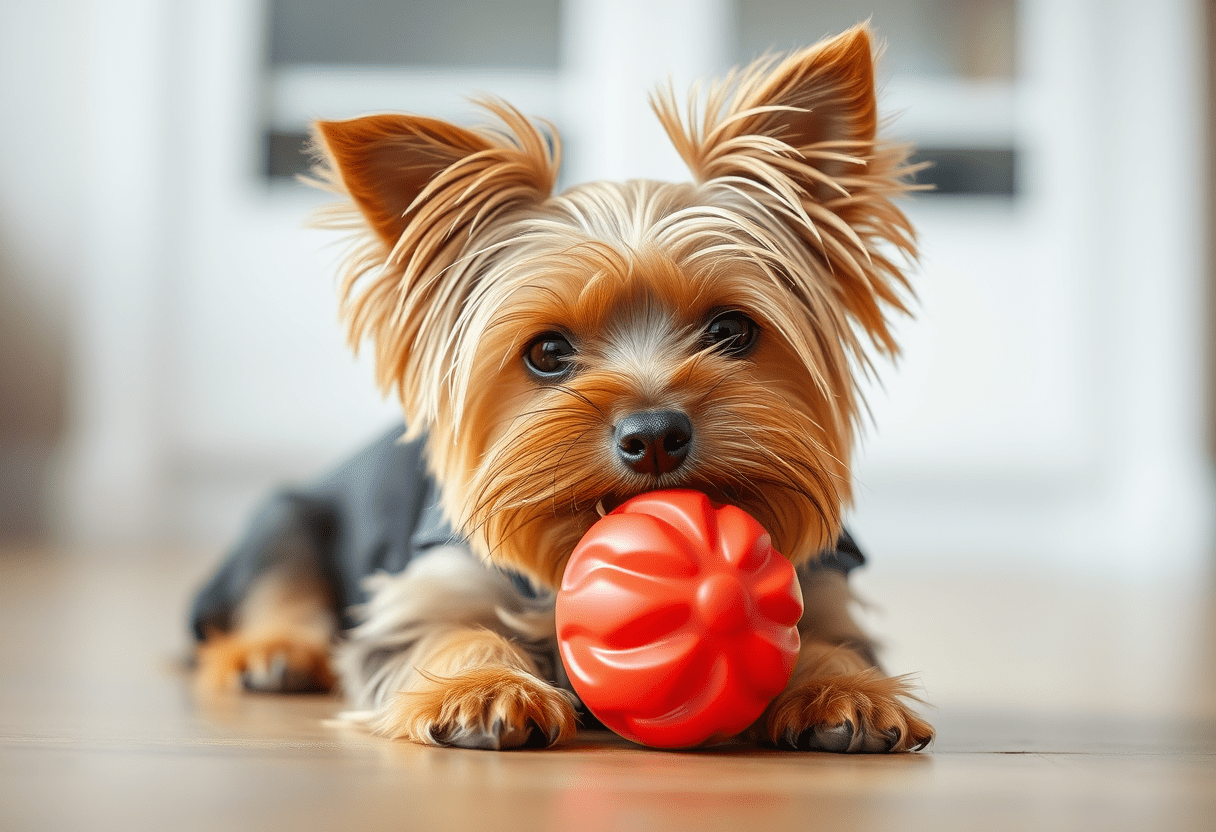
column 385, row 161
column 423, row 195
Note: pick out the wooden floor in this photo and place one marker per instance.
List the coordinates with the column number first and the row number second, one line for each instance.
column 99, row 729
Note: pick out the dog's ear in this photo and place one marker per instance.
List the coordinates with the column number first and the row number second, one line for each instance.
column 387, row 162
column 425, row 196
column 795, row 138
column 815, row 106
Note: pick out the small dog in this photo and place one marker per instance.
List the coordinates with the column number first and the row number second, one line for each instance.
column 556, row 355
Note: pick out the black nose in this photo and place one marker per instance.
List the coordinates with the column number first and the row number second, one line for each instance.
column 653, row 442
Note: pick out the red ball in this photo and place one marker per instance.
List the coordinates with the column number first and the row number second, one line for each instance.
column 677, row 620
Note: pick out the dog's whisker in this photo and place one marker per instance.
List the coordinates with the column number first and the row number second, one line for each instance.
column 581, row 397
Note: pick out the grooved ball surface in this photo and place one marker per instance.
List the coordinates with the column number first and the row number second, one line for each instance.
column 677, row 620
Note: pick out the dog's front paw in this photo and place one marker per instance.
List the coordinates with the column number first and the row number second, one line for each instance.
column 264, row 664
column 493, row 708
column 861, row 712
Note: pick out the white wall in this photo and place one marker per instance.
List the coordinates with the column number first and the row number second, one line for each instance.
column 1049, row 412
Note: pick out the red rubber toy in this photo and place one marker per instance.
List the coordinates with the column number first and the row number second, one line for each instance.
column 677, row 620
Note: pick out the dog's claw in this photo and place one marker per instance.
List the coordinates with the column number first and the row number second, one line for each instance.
column 838, row 738
column 277, row 665
column 502, row 736
column 498, row 736
column 891, row 738
column 834, row 738
column 846, row 738
column 264, row 674
column 486, row 709
column 862, row 713
column 278, row 676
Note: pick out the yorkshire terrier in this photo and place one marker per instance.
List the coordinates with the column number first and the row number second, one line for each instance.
column 556, row 355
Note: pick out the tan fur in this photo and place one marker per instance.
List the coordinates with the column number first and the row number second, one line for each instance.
column 224, row 659
column 484, row 259
column 832, row 686
column 284, row 627
column 463, row 682
column 431, row 628
column 463, row 256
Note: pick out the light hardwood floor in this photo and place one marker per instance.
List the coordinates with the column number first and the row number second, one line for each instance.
column 99, row 729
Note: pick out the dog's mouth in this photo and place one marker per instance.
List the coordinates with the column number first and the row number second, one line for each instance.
column 719, row 495
column 608, row 504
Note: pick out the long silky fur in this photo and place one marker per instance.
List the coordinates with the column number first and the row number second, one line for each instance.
column 408, row 617
column 779, row 219
column 408, row 297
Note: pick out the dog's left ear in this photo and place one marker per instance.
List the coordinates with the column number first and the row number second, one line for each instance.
column 797, row 135
column 815, row 106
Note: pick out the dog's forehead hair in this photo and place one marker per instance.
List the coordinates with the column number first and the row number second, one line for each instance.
column 628, row 307
column 638, row 333
column 613, row 252
column 615, row 261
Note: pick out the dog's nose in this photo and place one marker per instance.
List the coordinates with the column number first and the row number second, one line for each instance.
column 653, row 442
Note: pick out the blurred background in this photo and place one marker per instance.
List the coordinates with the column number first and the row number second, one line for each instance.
column 169, row 348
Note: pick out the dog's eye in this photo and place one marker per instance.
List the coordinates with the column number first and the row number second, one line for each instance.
column 548, row 355
column 732, row 333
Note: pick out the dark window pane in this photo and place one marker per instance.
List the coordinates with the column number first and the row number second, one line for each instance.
column 975, row 171
column 285, row 154
column 504, row 33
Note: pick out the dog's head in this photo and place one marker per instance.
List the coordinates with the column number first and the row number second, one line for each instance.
column 567, row 352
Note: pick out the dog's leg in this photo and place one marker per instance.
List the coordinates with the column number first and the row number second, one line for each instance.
column 837, row 698
column 475, row 689
column 266, row 621
column 280, row 642
column 449, row 653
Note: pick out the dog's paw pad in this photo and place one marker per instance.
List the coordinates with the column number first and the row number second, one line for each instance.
column 488, row 708
column 858, row 713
